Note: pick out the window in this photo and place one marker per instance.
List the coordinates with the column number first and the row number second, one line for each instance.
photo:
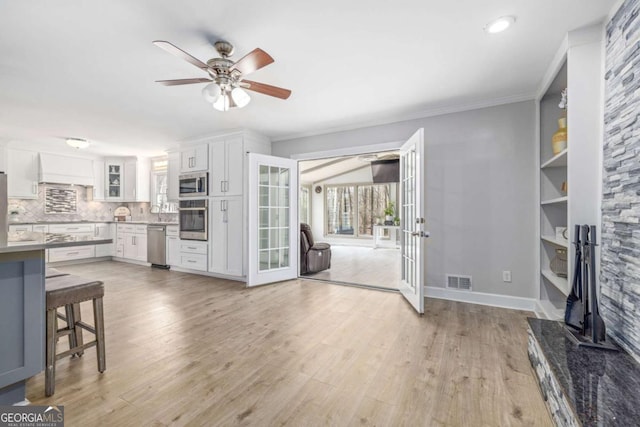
column 341, row 206
column 372, row 201
column 305, row 205
column 353, row 210
column 159, row 181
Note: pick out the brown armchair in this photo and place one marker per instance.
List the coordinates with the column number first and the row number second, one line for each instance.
column 314, row 257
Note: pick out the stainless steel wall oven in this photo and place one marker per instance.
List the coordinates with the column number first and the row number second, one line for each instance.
column 193, row 219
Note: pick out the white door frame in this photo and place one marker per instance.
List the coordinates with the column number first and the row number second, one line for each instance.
column 349, row 151
column 373, row 148
column 338, row 152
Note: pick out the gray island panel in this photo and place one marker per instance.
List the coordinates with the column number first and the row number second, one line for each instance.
column 22, row 303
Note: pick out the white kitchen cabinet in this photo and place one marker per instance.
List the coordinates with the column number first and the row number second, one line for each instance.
column 131, row 242
column 193, row 247
column 194, row 158
column 114, row 177
column 105, row 231
column 227, row 236
column 193, row 254
column 136, row 180
column 40, row 228
column 193, row 261
column 173, row 250
column 99, row 191
column 71, row 253
column 173, row 177
column 20, row 228
column 22, row 174
column 75, row 228
column 227, row 172
column 74, row 252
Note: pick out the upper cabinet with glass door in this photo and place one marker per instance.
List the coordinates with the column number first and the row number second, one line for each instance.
column 114, row 170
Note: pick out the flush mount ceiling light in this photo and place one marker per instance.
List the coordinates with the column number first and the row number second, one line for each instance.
column 77, row 143
column 499, row 25
column 368, row 157
column 226, row 88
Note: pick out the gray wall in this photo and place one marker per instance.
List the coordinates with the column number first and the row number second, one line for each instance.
column 620, row 253
column 480, row 189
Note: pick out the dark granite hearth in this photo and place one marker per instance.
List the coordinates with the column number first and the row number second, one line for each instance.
column 583, row 386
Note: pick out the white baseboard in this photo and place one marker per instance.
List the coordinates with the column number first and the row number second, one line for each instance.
column 242, row 279
column 493, row 300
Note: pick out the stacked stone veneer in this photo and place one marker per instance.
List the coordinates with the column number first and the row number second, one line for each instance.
column 552, row 393
column 620, row 263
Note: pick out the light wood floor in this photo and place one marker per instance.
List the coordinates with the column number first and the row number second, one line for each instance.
column 362, row 265
column 191, row 350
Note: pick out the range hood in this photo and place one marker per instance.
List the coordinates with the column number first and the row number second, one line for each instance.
column 56, row 169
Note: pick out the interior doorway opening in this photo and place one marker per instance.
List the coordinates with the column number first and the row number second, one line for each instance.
column 351, row 206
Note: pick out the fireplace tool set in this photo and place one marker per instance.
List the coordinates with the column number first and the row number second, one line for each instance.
column 582, row 316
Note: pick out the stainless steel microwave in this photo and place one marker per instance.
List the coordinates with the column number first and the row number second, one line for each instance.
column 194, row 184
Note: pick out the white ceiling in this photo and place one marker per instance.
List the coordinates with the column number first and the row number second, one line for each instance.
column 87, row 69
column 312, row 171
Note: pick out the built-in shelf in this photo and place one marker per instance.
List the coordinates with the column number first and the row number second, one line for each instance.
column 561, row 283
column 558, row 242
column 554, row 201
column 550, row 311
column 556, row 161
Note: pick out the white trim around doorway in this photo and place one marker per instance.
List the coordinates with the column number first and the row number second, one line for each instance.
column 348, row 151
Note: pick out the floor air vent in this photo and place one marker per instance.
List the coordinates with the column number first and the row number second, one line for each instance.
column 455, row 281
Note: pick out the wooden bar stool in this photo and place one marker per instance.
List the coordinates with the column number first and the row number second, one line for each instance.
column 50, row 272
column 68, row 292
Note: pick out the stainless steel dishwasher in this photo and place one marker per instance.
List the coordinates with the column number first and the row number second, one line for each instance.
column 156, row 245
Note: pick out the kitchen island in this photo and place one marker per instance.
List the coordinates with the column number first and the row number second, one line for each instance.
column 22, row 306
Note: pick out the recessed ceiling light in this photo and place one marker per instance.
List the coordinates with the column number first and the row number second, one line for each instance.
column 500, row 24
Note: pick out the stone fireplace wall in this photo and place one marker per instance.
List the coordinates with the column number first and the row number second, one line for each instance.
column 620, row 262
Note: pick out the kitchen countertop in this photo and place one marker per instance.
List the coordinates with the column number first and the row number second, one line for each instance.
column 95, row 222
column 30, row 241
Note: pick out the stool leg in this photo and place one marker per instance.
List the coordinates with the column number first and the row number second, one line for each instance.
column 98, row 319
column 71, row 324
column 77, row 317
column 50, row 371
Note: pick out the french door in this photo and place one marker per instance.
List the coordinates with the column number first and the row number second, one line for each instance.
column 412, row 220
column 273, row 219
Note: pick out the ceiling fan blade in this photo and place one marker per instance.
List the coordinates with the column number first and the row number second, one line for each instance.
column 252, row 61
column 183, row 81
column 176, row 51
column 266, row 89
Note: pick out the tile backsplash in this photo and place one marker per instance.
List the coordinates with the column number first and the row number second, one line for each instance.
column 34, row 210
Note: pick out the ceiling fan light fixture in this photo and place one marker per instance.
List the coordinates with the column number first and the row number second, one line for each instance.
column 222, row 103
column 240, row 97
column 500, row 24
column 77, row 143
column 211, row 92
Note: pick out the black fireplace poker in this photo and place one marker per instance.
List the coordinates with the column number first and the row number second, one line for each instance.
column 582, row 316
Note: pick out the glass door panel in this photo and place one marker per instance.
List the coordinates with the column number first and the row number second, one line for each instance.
column 272, row 219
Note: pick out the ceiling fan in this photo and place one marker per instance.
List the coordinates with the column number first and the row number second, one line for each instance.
column 226, row 88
